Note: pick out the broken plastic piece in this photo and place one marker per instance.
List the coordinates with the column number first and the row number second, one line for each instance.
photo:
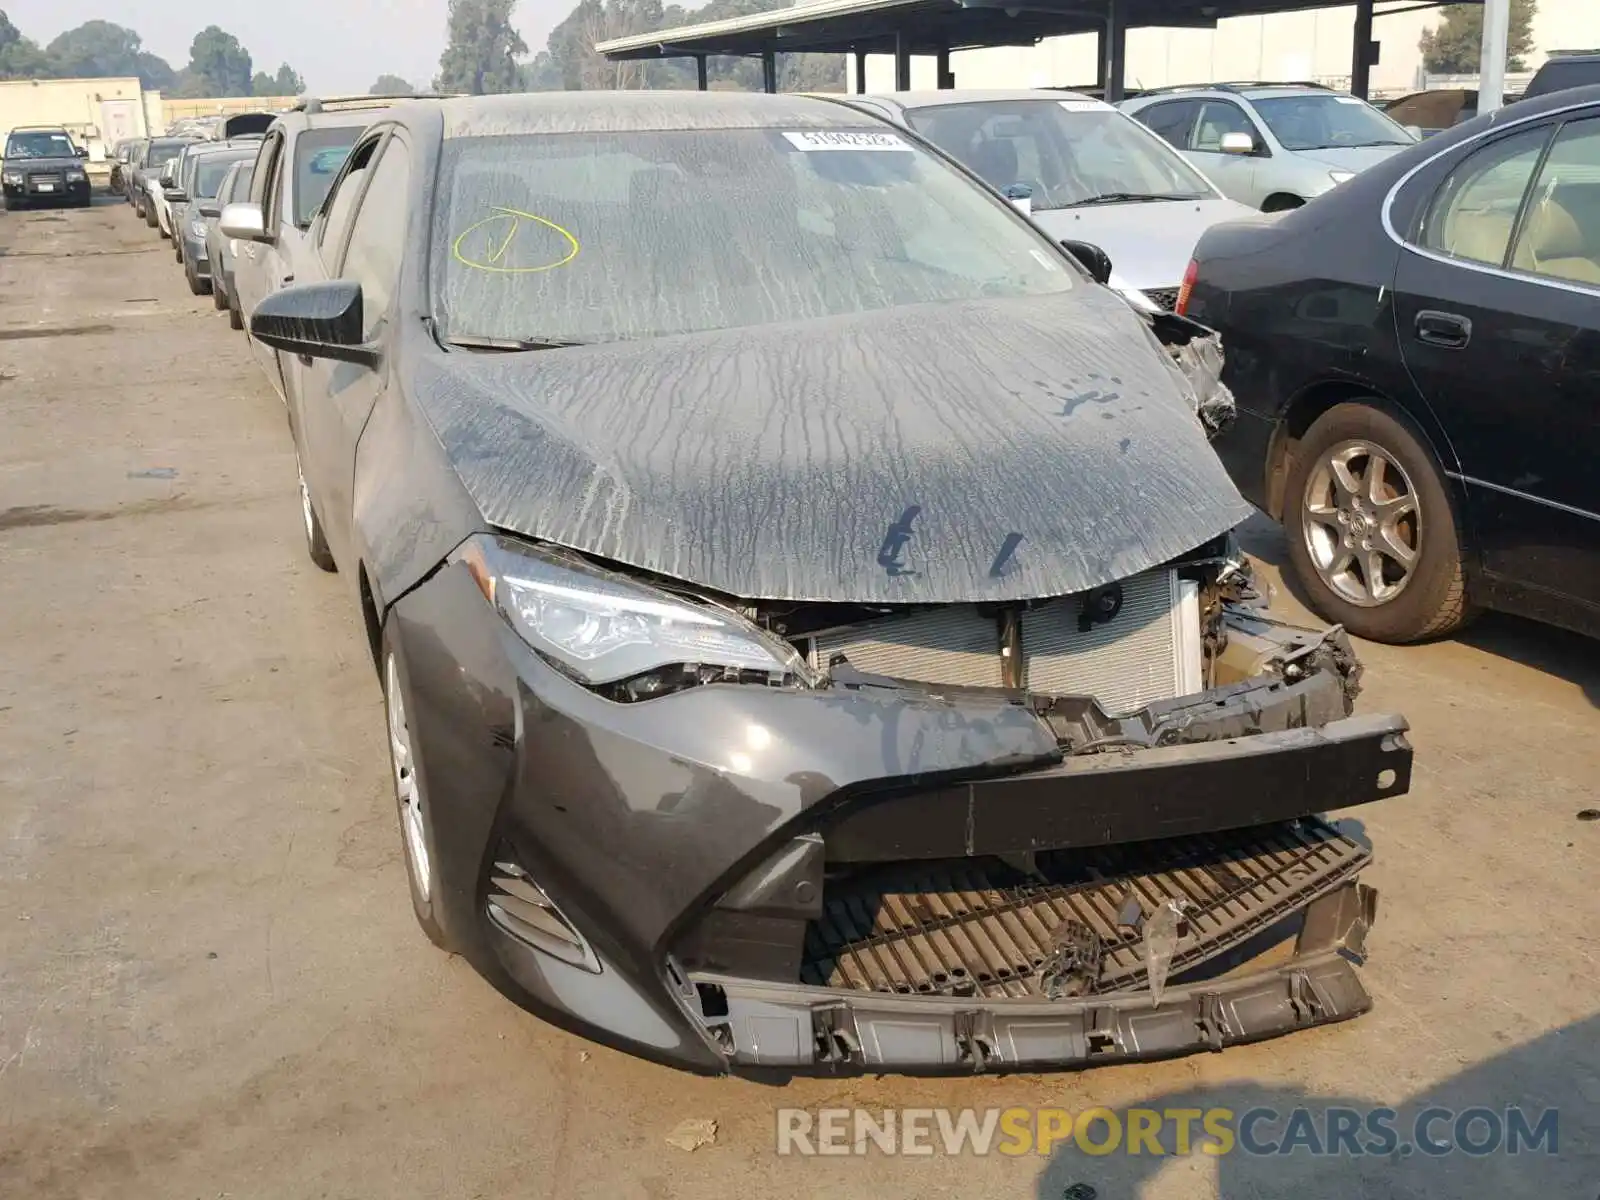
column 1073, row 967
column 1161, row 934
column 1130, row 914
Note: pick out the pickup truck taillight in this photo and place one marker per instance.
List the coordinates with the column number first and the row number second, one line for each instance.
column 1191, row 274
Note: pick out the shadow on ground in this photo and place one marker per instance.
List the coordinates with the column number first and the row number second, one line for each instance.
column 1560, row 1071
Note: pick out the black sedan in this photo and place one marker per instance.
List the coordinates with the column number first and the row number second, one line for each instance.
column 804, row 599
column 1416, row 360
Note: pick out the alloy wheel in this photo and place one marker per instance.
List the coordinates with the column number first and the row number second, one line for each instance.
column 1363, row 523
column 407, row 789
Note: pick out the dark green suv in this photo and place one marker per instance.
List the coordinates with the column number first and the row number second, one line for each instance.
column 43, row 166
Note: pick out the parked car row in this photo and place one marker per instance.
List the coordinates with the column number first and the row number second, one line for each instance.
column 763, row 527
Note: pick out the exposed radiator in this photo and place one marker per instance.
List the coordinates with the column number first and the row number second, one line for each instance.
column 1149, row 651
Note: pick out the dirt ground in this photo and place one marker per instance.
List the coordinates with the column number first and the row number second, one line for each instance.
column 210, row 980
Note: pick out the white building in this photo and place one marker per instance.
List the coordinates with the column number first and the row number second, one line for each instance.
column 1312, row 45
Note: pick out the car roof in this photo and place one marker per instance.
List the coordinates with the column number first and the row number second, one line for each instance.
column 583, row 112
column 945, row 97
column 1247, row 91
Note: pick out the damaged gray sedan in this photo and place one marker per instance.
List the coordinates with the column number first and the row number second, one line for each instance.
column 809, row 625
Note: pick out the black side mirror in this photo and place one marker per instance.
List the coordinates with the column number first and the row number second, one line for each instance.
column 315, row 320
column 83, row 152
column 175, row 195
column 1094, row 260
column 210, row 210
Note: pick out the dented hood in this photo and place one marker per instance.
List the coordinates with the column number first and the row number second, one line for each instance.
column 994, row 450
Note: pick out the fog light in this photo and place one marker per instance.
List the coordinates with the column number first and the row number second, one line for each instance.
column 520, row 907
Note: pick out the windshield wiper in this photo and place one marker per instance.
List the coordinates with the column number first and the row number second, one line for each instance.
column 511, row 345
column 1132, row 198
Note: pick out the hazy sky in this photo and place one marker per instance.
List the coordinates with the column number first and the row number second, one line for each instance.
column 338, row 45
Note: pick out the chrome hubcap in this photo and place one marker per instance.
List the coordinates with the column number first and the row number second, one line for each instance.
column 1363, row 523
column 405, row 781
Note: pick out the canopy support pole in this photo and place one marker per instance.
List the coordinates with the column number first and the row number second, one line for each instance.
column 861, row 72
column 700, row 71
column 902, row 62
column 945, row 79
column 1114, row 43
column 769, row 71
column 1361, row 52
column 1492, row 63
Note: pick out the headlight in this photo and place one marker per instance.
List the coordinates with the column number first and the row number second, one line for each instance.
column 14, row 178
column 75, row 173
column 198, row 228
column 1341, row 176
column 603, row 628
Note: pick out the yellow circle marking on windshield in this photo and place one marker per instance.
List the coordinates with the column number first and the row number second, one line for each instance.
column 498, row 251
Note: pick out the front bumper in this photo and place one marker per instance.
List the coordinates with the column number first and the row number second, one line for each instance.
column 641, row 821
column 66, row 191
column 195, row 255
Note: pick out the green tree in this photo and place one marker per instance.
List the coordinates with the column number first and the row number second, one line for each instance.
column 1455, row 47
column 287, row 82
column 20, row 57
column 390, row 85
column 481, row 55
column 569, row 60
column 218, row 65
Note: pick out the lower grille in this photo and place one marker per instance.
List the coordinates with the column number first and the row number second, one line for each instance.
column 47, row 182
column 981, row 927
column 1149, row 651
column 1166, row 298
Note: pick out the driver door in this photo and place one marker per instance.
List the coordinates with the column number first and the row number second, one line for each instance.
column 362, row 234
column 1235, row 174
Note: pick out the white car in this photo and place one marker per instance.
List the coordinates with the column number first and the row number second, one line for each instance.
column 1083, row 170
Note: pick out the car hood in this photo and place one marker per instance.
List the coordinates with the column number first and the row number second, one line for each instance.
column 56, row 162
column 1150, row 243
column 1351, row 158
column 993, row 450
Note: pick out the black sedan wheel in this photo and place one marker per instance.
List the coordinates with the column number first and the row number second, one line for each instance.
column 1372, row 534
column 416, row 833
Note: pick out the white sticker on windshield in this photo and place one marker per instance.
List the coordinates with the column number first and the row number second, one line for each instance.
column 1084, row 105
column 1349, row 100
column 846, row 139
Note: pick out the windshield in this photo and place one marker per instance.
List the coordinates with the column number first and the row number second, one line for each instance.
column 1066, row 151
column 161, row 153
column 40, row 145
column 318, row 155
column 608, row 236
column 210, row 173
column 1326, row 122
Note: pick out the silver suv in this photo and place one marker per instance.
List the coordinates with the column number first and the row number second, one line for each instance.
column 1272, row 146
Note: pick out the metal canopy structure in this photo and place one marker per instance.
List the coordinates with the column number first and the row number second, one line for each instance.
column 938, row 27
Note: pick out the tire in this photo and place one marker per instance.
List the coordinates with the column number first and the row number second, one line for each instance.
column 316, row 541
column 1413, row 601
column 219, row 298
column 416, row 823
column 150, row 218
column 200, row 287
column 235, row 317
column 177, row 250
column 1282, row 203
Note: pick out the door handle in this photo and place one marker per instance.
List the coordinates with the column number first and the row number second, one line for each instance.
column 1448, row 331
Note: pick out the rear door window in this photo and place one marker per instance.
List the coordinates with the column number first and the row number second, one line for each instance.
column 1171, row 120
column 1559, row 236
column 1475, row 212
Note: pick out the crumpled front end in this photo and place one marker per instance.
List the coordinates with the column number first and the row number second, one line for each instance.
column 911, row 871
